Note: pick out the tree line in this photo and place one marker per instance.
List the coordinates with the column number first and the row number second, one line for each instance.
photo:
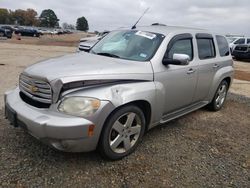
column 47, row 18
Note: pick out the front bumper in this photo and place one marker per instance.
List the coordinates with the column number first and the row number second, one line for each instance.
column 242, row 55
column 63, row 132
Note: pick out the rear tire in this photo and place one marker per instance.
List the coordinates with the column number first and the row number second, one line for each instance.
column 122, row 132
column 219, row 97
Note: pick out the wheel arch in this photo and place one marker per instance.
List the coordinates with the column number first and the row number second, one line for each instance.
column 143, row 105
column 228, row 80
column 226, row 74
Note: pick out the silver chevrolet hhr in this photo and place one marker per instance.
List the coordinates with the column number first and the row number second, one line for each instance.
column 129, row 82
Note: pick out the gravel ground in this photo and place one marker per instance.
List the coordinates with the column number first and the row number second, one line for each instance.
column 201, row 149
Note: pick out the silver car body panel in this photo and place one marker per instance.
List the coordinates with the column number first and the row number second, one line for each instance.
column 88, row 65
column 170, row 91
column 85, row 66
column 55, row 128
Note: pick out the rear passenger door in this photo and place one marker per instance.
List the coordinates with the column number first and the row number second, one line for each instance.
column 208, row 65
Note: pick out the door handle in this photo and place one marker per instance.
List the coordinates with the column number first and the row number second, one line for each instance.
column 216, row 66
column 190, row 71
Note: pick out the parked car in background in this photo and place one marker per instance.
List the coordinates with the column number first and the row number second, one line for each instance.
column 43, row 31
column 129, row 82
column 87, row 43
column 67, row 31
column 27, row 32
column 11, row 28
column 5, row 33
column 242, row 51
column 233, row 41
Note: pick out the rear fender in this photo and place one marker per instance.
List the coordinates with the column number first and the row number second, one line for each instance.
column 221, row 74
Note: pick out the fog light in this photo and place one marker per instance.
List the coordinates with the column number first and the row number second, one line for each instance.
column 91, row 130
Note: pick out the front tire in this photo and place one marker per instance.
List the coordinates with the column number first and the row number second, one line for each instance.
column 122, row 132
column 219, row 97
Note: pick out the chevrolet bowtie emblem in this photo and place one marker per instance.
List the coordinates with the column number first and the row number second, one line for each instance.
column 33, row 89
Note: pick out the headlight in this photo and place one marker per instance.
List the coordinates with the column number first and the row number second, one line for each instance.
column 79, row 106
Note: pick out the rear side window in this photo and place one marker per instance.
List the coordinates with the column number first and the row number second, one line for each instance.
column 240, row 41
column 183, row 46
column 248, row 41
column 223, row 45
column 206, row 48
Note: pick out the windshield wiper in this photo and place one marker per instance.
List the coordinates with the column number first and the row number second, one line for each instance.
column 108, row 54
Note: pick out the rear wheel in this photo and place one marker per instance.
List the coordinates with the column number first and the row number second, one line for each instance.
column 122, row 132
column 219, row 97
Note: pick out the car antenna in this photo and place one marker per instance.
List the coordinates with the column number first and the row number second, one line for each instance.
column 134, row 26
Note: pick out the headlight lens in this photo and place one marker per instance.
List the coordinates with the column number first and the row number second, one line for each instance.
column 79, row 106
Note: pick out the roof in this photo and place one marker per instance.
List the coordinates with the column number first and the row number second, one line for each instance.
column 165, row 30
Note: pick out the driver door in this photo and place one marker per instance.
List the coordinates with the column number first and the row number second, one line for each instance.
column 179, row 81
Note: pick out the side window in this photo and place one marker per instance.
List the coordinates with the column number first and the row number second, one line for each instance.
column 240, row 41
column 223, row 45
column 248, row 41
column 182, row 46
column 206, row 48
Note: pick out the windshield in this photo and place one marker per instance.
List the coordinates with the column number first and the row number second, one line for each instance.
column 130, row 45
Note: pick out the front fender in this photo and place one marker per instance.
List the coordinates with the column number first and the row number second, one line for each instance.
column 124, row 93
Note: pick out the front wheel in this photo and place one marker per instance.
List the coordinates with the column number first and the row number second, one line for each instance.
column 219, row 97
column 122, row 132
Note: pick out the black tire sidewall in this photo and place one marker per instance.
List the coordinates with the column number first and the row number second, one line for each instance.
column 104, row 146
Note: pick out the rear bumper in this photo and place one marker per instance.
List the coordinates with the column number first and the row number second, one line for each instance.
column 63, row 132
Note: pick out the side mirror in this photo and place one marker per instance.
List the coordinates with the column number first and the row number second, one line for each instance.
column 178, row 59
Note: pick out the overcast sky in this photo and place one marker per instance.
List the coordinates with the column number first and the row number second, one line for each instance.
column 224, row 16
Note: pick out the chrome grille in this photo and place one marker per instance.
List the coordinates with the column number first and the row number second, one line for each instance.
column 35, row 89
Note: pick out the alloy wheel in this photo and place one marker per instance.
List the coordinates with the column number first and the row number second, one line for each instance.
column 221, row 95
column 125, row 132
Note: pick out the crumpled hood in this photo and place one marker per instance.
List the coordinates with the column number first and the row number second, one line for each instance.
column 86, row 66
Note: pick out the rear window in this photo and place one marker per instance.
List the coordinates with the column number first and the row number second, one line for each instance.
column 223, row 45
column 206, row 48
